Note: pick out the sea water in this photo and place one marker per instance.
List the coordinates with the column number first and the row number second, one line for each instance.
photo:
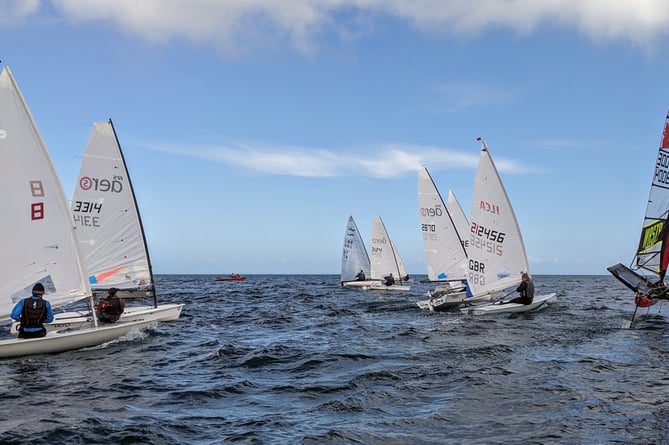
column 300, row 360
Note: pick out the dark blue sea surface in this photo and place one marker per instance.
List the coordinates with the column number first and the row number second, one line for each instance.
column 299, row 360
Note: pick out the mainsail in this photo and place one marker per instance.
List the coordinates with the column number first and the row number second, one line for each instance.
column 107, row 217
column 652, row 253
column 496, row 250
column 38, row 238
column 383, row 253
column 354, row 255
column 445, row 255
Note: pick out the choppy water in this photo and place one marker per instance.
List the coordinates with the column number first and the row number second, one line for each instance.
column 299, row 360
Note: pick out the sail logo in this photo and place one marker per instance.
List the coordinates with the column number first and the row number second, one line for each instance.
column 36, row 208
column 101, row 185
column 651, row 235
column 379, row 241
column 431, row 212
column 489, row 207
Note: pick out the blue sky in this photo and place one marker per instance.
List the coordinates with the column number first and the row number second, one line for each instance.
column 254, row 128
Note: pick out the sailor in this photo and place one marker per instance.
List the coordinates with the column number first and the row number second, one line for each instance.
column 360, row 276
column 32, row 313
column 389, row 280
column 110, row 307
column 525, row 289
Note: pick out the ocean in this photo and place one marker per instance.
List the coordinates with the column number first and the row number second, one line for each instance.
column 299, row 360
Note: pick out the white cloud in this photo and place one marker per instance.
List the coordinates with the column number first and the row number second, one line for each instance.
column 14, row 11
column 387, row 161
column 230, row 24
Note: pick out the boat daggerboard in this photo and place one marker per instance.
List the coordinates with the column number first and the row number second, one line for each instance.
column 354, row 255
column 652, row 252
column 445, row 256
column 38, row 238
column 496, row 249
column 106, row 216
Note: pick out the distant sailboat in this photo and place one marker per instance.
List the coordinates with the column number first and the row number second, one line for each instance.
column 646, row 275
column 354, row 257
column 385, row 259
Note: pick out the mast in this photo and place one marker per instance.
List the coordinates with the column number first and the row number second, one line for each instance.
column 139, row 217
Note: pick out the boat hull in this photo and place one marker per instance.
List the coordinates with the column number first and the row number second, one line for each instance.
column 450, row 301
column 61, row 341
column 363, row 283
column 538, row 303
column 230, row 279
column 82, row 319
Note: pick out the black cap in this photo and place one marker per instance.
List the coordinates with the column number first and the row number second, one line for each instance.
column 112, row 290
column 38, row 289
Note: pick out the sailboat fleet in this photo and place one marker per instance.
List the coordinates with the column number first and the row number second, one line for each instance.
column 473, row 263
column 98, row 243
column 40, row 235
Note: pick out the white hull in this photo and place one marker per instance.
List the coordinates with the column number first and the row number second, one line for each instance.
column 82, row 319
column 538, row 303
column 55, row 342
column 365, row 283
column 381, row 286
column 451, row 300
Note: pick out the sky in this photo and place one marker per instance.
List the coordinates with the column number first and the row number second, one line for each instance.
column 252, row 129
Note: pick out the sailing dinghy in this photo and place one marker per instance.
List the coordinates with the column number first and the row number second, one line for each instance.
column 496, row 253
column 645, row 276
column 354, row 257
column 444, row 250
column 110, row 231
column 38, row 237
column 385, row 260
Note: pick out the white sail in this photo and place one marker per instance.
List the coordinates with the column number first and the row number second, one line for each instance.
column 107, row 218
column 445, row 255
column 38, row 237
column 651, row 254
column 458, row 216
column 354, row 255
column 496, row 250
column 400, row 263
column 384, row 261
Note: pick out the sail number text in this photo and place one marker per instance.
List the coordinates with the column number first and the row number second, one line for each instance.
column 485, row 239
column 82, row 213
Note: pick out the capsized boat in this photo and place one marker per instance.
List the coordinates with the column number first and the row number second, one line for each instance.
column 38, row 237
column 646, row 273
